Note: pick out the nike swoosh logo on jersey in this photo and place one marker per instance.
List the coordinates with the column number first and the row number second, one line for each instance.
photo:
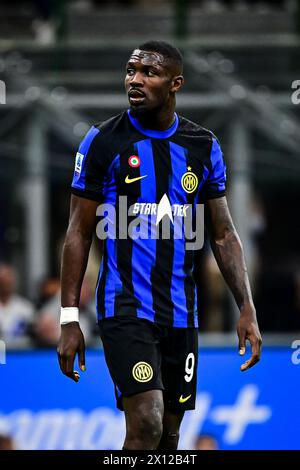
column 132, row 180
column 183, row 400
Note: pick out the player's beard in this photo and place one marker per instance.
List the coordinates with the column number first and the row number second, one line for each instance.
column 144, row 112
column 139, row 111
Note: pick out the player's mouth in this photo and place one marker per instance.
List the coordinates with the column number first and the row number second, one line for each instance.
column 136, row 96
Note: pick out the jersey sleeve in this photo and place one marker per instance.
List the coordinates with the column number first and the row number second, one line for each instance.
column 215, row 184
column 91, row 163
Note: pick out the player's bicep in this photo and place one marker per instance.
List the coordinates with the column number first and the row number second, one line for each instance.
column 82, row 216
column 218, row 220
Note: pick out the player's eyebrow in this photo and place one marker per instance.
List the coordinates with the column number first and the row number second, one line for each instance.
column 154, row 66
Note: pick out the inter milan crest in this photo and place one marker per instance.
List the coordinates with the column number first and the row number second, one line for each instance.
column 189, row 181
column 134, row 161
column 142, row 372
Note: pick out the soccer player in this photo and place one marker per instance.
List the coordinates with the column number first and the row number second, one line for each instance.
column 146, row 292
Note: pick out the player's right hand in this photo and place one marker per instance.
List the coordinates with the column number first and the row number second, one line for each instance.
column 71, row 342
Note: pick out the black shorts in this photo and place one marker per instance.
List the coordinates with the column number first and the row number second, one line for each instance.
column 144, row 356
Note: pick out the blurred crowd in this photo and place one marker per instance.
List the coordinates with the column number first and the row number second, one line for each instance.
column 23, row 322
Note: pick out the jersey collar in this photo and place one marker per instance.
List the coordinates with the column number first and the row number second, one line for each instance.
column 152, row 133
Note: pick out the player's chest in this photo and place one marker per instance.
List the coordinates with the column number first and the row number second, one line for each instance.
column 151, row 168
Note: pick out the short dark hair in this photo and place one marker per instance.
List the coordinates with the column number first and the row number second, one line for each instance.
column 170, row 52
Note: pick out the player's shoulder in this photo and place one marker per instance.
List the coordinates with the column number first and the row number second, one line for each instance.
column 107, row 136
column 112, row 124
column 188, row 128
column 110, row 130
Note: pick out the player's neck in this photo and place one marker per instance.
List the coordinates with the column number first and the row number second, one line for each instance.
column 160, row 121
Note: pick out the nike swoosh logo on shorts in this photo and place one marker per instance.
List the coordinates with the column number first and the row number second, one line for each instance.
column 132, row 180
column 183, row 400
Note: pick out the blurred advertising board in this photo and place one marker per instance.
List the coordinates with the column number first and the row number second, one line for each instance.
column 257, row 409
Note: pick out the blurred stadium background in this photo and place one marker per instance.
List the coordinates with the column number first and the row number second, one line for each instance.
column 61, row 69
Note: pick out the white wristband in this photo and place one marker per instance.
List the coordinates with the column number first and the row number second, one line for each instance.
column 69, row 314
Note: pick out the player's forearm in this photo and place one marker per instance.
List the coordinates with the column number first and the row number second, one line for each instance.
column 229, row 255
column 74, row 261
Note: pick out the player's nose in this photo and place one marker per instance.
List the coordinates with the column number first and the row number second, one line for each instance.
column 136, row 79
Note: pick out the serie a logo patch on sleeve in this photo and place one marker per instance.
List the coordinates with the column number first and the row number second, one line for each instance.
column 78, row 163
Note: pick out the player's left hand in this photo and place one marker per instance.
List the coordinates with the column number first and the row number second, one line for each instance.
column 247, row 329
column 71, row 342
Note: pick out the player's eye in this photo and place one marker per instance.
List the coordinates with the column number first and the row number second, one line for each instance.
column 130, row 71
column 151, row 73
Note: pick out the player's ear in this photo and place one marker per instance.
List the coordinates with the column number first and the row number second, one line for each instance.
column 177, row 83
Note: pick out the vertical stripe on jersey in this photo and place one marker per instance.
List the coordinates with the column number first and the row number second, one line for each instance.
column 112, row 277
column 197, row 200
column 100, row 289
column 144, row 250
column 189, row 259
column 98, row 311
column 161, row 274
column 178, row 196
column 125, row 302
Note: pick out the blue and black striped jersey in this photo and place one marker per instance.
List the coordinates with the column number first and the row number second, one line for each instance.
column 155, row 177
